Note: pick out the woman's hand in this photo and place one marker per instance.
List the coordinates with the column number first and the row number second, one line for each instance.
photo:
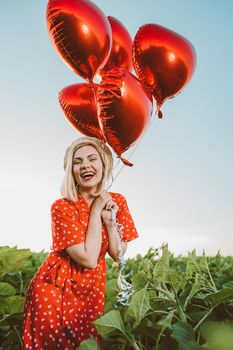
column 106, row 213
column 100, row 202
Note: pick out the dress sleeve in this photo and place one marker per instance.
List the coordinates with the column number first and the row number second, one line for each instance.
column 66, row 227
column 124, row 218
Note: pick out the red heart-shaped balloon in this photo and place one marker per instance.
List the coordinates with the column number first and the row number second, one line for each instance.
column 79, row 106
column 121, row 52
column 124, row 108
column 163, row 60
column 81, row 34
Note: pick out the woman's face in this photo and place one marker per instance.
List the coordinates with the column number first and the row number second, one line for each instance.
column 87, row 167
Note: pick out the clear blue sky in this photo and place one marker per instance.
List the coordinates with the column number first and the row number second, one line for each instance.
column 180, row 189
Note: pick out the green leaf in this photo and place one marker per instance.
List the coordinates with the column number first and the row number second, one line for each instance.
column 88, row 344
column 175, row 279
column 109, row 323
column 191, row 264
column 191, row 345
column 228, row 284
column 14, row 304
column 12, row 320
column 112, row 288
column 222, row 296
column 109, row 305
column 6, row 289
column 165, row 322
column 11, row 342
column 203, row 264
column 196, row 264
column 162, row 269
column 146, row 328
column 13, row 260
column 138, row 307
column 183, row 333
column 195, row 288
column 139, row 280
column 219, row 335
column 196, row 316
column 4, row 328
column 5, row 248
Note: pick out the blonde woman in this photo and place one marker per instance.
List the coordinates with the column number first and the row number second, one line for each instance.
column 68, row 291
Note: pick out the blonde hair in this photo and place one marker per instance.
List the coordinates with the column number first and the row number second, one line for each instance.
column 69, row 184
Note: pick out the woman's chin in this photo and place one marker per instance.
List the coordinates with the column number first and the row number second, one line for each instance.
column 88, row 186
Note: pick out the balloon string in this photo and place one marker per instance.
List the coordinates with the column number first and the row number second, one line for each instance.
column 117, row 164
column 125, row 288
column 123, row 165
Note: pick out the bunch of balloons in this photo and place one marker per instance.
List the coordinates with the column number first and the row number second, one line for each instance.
column 119, row 108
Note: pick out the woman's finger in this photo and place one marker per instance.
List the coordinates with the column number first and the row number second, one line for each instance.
column 107, row 197
column 109, row 204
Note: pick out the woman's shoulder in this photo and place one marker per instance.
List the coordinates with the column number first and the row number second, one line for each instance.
column 117, row 197
column 62, row 203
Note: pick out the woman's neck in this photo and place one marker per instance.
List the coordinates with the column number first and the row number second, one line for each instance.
column 87, row 195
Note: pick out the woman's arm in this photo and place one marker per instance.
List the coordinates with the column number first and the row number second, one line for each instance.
column 125, row 219
column 112, row 232
column 87, row 253
column 113, row 242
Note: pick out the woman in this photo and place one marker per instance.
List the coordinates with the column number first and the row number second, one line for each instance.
column 68, row 291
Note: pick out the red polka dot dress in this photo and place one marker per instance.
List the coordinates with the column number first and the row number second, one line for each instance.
column 64, row 298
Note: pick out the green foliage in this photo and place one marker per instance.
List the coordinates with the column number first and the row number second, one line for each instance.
column 185, row 336
column 138, row 307
column 179, row 303
column 17, row 267
column 89, row 344
column 12, row 260
column 174, row 298
column 110, row 323
column 220, row 296
column 219, row 335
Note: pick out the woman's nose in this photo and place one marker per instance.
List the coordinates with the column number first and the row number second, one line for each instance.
column 85, row 163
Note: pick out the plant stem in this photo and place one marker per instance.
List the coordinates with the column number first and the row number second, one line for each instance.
column 212, row 281
column 179, row 307
column 135, row 345
column 141, row 344
column 181, row 312
column 203, row 319
column 198, row 337
column 161, row 312
column 21, row 282
column 157, row 340
column 18, row 335
column 132, row 341
column 167, row 294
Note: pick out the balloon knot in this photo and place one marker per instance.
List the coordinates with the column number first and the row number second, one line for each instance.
column 160, row 114
column 126, row 162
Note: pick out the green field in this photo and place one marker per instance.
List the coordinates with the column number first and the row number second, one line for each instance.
column 178, row 303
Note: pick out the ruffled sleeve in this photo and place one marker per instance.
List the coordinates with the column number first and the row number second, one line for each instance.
column 124, row 218
column 66, row 227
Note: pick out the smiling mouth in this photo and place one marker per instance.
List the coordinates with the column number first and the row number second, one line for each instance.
column 87, row 176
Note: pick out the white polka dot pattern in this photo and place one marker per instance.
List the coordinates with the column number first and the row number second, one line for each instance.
column 63, row 298
column 66, row 227
column 124, row 217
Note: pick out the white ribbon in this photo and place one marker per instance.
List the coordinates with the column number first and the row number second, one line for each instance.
column 125, row 287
